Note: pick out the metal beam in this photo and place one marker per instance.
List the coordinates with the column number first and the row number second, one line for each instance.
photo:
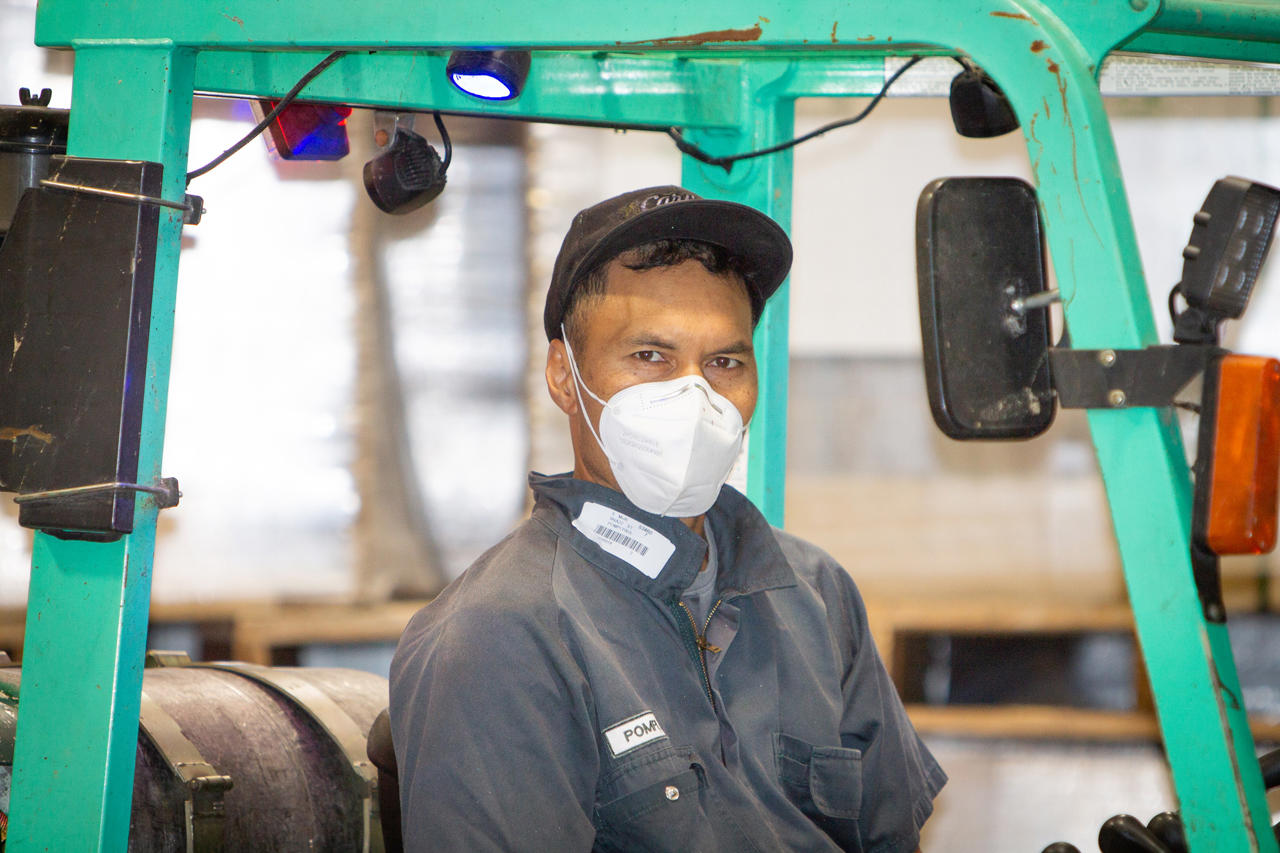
column 574, row 24
column 652, row 90
column 87, row 608
column 763, row 183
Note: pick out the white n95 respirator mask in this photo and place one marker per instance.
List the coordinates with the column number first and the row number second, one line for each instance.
column 670, row 444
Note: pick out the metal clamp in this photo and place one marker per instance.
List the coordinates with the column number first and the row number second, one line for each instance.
column 166, row 492
column 204, row 808
column 192, row 206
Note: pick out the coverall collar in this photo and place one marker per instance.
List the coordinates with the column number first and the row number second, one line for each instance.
column 736, row 524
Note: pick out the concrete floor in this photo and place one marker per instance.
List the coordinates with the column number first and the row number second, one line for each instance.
column 1018, row 797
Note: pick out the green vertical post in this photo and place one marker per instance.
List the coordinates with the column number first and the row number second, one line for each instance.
column 87, row 607
column 765, row 184
column 1140, row 452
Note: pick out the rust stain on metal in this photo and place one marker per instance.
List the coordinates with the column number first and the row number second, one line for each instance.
column 834, row 25
column 233, row 18
column 866, row 38
column 752, row 33
column 1038, row 45
column 12, row 434
column 1018, row 16
column 1056, row 70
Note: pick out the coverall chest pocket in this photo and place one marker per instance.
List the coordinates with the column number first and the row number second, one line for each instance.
column 654, row 802
column 825, row 782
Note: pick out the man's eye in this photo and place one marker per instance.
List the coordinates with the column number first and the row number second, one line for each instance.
column 647, row 355
column 724, row 362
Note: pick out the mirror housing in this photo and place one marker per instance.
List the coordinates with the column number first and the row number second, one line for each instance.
column 979, row 257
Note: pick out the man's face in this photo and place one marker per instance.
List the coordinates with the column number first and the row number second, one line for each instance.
column 650, row 326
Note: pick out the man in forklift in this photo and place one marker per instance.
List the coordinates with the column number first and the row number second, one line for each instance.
column 645, row 663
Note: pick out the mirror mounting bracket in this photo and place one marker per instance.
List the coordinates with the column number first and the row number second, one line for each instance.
column 1121, row 379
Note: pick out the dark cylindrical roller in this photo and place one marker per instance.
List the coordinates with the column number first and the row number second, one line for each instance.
column 1167, row 827
column 290, row 782
column 1125, row 834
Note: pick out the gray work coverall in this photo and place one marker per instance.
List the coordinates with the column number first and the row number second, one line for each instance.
column 556, row 698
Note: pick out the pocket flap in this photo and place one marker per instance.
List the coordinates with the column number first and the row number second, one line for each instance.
column 679, row 790
column 835, row 781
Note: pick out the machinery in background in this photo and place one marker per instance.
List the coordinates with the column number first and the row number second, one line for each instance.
column 1164, row 833
column 242, row 757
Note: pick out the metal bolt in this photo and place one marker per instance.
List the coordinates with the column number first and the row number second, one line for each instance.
column 1107, row 357
column 673, row 793
column 1138, row 5
column 1116, row 398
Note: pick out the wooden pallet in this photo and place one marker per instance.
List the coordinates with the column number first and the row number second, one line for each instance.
column 259, row 631
column 895, row 624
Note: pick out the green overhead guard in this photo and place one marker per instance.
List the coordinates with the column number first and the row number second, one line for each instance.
column 729, row 77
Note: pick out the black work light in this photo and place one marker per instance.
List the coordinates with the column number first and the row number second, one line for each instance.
column 979, row 108
column 492, row 75
column 1228, row 244
column 407, row 173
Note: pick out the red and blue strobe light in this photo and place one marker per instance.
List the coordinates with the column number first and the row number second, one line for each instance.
column 307, row 131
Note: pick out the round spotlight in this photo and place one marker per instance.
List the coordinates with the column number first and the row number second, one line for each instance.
column 492, row 75
column 407, row 175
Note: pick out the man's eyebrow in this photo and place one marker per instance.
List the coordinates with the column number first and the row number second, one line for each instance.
column 648, row 339
column 737, row 348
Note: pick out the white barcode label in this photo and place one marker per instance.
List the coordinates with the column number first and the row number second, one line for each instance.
column 625, row 538
column 622, row 539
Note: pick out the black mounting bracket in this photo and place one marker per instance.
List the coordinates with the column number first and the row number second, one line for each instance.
column 1119, row 379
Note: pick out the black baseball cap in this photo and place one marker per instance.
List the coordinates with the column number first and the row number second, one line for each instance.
column 606, row 230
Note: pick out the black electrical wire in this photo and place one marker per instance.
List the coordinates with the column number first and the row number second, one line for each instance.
column 726, row 162
column 271, row 116
column 1173, row 308
column 448, row 146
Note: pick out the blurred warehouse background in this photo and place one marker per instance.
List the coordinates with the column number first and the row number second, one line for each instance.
column 356, row 400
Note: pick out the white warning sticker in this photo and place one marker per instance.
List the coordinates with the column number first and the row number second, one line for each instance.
column 625, row 538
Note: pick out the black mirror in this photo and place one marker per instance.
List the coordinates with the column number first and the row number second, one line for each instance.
column 983, row 308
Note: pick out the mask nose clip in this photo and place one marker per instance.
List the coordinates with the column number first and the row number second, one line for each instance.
column 698, row 383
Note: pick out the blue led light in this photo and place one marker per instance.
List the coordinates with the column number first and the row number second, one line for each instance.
column 491, row 75
column 485, row 86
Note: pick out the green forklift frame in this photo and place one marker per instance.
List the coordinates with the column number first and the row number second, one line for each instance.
column 729, row 74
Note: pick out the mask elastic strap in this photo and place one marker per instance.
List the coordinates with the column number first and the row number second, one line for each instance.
column 578, row 387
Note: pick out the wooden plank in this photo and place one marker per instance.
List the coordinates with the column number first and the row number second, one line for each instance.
column 256, row 627
column 1039, row 722
column 257, row 632
column 1000, row 616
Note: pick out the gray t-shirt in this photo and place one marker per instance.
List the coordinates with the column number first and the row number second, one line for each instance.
column 701, row 594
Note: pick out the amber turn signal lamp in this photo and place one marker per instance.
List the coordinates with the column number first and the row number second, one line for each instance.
column 1239, row 450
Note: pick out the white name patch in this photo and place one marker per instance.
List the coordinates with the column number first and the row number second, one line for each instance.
column 632, row 733
column 625, row 538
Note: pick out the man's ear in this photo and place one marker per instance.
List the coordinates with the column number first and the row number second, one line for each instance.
column 560, row 378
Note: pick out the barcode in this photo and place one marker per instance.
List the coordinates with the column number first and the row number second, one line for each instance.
column 622, row 539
